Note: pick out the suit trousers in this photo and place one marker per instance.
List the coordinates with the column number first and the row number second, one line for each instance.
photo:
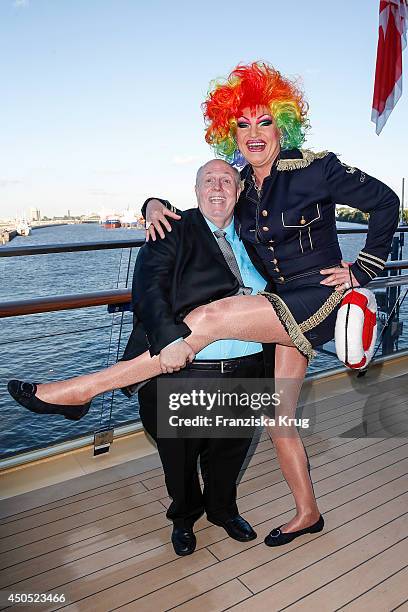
column 221, row 459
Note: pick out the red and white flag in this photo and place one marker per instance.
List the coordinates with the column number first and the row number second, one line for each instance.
column 392, row 39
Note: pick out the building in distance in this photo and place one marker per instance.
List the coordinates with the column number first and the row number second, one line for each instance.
column 34, row 214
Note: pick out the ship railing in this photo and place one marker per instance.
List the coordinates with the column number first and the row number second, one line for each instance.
column 121, row 298
column 388, row 288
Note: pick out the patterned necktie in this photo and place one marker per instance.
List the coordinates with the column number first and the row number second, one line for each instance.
column 228, row 253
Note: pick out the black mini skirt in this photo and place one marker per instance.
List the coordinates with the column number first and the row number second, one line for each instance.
column 307, row 310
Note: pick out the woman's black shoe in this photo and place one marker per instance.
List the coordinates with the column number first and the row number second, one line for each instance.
column 24, row 394
column 277, row 537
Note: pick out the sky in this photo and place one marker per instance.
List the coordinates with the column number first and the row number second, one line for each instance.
column 100, row 103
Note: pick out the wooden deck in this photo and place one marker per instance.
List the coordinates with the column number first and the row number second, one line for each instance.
column 103, row 540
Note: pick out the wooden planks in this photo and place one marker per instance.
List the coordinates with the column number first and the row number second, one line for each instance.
column 104, row 543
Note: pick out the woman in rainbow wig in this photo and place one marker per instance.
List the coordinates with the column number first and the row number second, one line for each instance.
column 251, row 87
column 257, row 119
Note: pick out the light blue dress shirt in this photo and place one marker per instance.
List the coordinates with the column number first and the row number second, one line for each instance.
column 228, row 349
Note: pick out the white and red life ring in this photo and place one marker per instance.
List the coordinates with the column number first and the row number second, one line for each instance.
column 356, row 328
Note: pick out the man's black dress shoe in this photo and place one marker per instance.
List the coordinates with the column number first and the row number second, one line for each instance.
column 277, row 537
column 24, row 394
column 237, row 528
column 184, row 541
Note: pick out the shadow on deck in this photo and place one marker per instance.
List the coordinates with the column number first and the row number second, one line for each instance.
column 103, row 539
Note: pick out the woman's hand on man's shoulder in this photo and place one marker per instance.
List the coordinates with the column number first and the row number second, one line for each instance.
column 156, row 219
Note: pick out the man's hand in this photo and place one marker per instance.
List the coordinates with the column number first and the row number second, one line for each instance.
column 156, row 215
column 175, row 356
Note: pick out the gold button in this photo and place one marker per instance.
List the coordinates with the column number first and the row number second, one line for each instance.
column 271, row 241
column 265, row 213
column 271, row 249
column 265, row 229
column 303, row 220
column 277, row 270
column 275, row 261
column 281, row 278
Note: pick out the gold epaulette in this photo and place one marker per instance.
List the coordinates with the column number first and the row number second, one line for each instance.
column 303, row 162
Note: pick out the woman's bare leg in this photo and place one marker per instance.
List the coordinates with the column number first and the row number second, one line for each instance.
column 249, row 318
column 290, row 369
column 81, row 389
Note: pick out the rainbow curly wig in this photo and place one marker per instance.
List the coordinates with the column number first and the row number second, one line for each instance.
column 248, row 86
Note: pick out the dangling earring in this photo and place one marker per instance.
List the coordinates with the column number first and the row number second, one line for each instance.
column 281, row 139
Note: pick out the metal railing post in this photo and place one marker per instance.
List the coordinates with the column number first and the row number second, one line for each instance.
column 391, row 333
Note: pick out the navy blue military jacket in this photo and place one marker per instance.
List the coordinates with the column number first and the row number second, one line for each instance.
column 289, row 226
column 290, row 222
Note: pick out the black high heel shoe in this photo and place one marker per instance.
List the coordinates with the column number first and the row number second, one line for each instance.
column 277, row 538
column 24, row 394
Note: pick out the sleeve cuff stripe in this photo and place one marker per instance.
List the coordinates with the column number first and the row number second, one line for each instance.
column 373, row 257
column 369, row 262
column 370, row 273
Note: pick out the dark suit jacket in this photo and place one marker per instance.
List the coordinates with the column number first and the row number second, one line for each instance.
column 172, row 277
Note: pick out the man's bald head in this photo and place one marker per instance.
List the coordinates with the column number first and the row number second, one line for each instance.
column 218, row 163
column 217, row 188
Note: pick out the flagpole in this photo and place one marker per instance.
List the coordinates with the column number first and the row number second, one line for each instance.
column 402, row 200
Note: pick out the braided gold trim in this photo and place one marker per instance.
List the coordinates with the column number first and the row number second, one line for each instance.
column 323, row 312
column 288, row 321
column 296, row 164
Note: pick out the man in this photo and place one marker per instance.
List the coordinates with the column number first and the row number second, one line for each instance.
column 201, row 260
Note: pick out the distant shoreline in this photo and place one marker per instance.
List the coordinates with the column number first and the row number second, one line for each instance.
column 346, row 220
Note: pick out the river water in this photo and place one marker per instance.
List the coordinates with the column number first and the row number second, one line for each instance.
column 50, row 346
